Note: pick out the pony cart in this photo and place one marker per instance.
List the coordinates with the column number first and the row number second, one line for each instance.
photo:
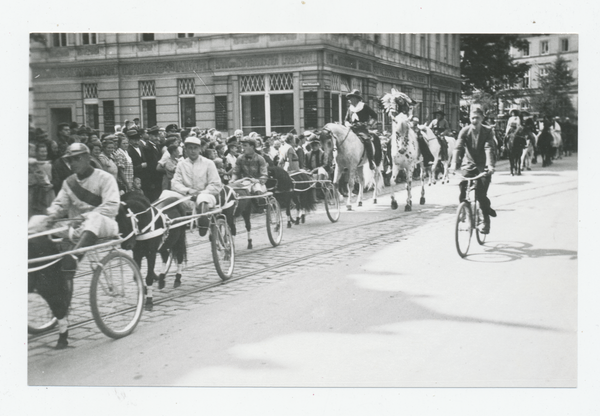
column 331, row 198
column 116, row 293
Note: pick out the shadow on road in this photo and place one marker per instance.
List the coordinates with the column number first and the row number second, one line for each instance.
column 504, row 251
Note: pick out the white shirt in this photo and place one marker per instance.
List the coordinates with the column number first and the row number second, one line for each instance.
column 199, row 175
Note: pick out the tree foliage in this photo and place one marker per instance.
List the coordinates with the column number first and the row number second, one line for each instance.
column 553, row 96
column 37, row 37
column 486, row 64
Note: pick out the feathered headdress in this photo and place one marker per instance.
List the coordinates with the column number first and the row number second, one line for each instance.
column 392, row 99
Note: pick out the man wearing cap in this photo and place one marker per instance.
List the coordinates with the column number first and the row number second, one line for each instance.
column 315, row 161
column 136, row 153
column 476, row 142
column 251, row 165
column 359, row 118
column 197, row 176
column 441, row 128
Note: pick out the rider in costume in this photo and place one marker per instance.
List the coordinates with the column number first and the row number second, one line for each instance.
column 251, row 165
column 359, row 118
column 441, row 128
column 423, row 146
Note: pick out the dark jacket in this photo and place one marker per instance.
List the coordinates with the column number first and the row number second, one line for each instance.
column 476, row 156
column 60, row 172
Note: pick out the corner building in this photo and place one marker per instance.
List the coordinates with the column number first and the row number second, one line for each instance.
column 257, row 82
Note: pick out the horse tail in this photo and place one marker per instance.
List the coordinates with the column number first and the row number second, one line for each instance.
column 343, row 182
column 378, row 154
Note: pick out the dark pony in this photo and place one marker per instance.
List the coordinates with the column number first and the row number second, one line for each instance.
column 293, row 188
column 48, row 282
column 235, row 208
column 515, row 143
column 171, row 242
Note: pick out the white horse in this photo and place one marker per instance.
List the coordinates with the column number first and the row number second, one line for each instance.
column 436, row 151
column 350, row 157
column 405, row 155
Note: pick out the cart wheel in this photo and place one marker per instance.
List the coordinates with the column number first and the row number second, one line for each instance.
column 332, row 202
column 478, row 221
column 223, row 248
column 464, row 228
column 117, row 295
column 274, row 222
column 39, row 315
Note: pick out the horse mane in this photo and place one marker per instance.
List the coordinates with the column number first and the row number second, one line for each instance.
column 135, row 199
column 284, row 182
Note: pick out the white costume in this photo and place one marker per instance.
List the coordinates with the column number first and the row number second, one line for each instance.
column 191, row 177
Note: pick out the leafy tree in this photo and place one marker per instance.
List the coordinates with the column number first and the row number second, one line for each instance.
column 37, row 37
column 486, row 64
column 553, row 96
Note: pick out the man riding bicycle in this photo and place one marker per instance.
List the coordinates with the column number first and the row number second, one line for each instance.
column 476, row 142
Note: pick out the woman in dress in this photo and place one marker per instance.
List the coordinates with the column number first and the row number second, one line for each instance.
column 106, row 157
column 96, row 151
column 124, row 164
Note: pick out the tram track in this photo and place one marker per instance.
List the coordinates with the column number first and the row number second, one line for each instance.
column 308, row 238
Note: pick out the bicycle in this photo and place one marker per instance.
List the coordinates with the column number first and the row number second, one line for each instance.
column 469, row 216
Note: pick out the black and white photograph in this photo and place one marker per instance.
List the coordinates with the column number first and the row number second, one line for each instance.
column 367, row 217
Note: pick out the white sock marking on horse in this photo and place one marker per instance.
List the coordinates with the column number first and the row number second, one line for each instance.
column 179, row 268
column 149, row 292
column 63, row 325
column 164, row 268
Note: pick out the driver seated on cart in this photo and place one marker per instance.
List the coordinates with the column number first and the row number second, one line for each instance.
column 198, row 177
column 88, row 195
column 251, row 169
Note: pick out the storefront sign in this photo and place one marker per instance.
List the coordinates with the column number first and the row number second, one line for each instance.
column 310, row 84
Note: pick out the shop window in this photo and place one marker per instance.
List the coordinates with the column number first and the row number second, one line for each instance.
column 147, row 37
column 89, row 39
column 148, row 113
column 221, row 113
column 310, row 110
column 108, row 108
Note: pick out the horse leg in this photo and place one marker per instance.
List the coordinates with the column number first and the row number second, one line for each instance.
column 246, row 216
column 361, row 181
column 288, row 212
column 409, row 173
column 422, row 200
column 137, row 257
column 395, row 171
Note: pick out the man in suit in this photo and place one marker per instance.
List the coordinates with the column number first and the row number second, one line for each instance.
column 137, row 155
column 476, row 142
column 152, row 153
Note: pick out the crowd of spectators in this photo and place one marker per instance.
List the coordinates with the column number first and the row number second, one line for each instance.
column 144, row 160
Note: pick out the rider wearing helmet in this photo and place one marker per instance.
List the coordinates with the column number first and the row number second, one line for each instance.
column 359, row 118
column 251, row 165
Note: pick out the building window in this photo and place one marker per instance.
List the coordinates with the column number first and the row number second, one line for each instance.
column 109, row 116
column 147, row 37
column 564, row 45
column 446, row 41
column 187, row 102
column 310, row 110
column 413, row 44
column 438, row 47
column 544, row 50
column 526, row 49
column 525, row 83
column 60, row 39
column 543, row 71
column 185, row 35
column 148, row 103
column 267, row 103
column 377, row 39
column 327, row 106
column 423, row 46
column 89, row 39
column 335, row 108
column 90, row 104
column 221, row 113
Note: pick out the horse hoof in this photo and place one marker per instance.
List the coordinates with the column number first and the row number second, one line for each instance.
column 161, row 281
column 149, row 304
column 289, row 224
column 348, row 207
column 374, row 201
column 422, row 201
column 63, row 342
column 360, row 203
column 394, row 205
column 297, row 222
column 177, row 283
column 407, row 208
column 303, row 218
column 249, row 244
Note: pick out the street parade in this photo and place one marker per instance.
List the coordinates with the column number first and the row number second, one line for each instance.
column 266, row 228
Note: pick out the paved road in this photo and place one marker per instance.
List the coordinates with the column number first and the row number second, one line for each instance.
column 378, row 299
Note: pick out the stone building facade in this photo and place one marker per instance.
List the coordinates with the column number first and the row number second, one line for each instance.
column 257, row 82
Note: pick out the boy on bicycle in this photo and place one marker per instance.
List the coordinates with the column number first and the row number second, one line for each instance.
column 478, row 144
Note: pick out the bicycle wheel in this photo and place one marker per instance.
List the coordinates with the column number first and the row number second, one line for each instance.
column 274, row 222
column 332, row 202
column 223, row 248
column 464, row 228
column 478, row 223
column 39, row 316
column 117, row 295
